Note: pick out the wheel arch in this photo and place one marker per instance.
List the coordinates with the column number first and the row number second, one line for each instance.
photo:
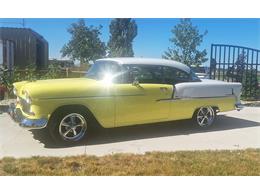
column 75, row 107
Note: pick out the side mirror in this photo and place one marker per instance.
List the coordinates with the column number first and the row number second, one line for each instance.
column 135, row 75
column 135, row 82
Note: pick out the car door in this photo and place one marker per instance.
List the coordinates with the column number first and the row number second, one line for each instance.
column 179, row 108
column 139, row 97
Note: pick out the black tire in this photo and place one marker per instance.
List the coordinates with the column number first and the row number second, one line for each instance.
column 209, row 119
column 55, row 127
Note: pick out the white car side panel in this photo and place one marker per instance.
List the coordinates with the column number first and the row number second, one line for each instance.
column 207, row 88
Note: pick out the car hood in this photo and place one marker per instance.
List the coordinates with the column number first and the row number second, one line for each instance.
column 55, row 88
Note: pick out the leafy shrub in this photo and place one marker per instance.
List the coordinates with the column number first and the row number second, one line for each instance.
column 250, row 90
column 53, row 72
column 30, row 73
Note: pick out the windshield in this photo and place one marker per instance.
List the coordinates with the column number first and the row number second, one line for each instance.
column 101, row 69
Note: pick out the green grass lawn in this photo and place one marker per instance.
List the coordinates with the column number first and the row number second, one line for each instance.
column 236, row 162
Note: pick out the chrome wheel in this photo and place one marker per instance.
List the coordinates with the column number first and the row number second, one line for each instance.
column 205, row 116
column 72, row 127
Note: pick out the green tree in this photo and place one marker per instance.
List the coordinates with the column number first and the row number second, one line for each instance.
column 85, row 44
column 186, row 40
column 122, row 33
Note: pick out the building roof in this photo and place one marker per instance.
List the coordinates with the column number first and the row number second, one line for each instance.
column 148, row 61
column 37, row 35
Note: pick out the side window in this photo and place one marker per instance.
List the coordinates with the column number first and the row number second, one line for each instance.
column 100, row 69
column 144, row 73
column 174, row 75
column 182, row 76
column 168, row 75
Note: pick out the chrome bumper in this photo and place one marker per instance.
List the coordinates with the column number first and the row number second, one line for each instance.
column 18, row 117
column 239, row 107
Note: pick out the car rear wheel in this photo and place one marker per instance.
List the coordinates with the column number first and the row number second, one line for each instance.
column 68, row 126
column 204, row 117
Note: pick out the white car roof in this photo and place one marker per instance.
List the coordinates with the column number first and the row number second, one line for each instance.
column 148, row 61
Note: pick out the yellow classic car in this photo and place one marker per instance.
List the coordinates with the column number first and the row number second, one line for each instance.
column 120, row 92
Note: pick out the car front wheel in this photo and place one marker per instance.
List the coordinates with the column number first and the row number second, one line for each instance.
column 205, row 116
column 68, row 126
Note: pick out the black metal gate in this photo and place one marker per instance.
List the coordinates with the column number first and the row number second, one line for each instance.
column 236, row 64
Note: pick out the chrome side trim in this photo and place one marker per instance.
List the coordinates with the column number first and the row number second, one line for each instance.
column 59, row 98
column 190, row 98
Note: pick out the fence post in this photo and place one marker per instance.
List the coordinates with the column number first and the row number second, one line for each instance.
column 210, row 66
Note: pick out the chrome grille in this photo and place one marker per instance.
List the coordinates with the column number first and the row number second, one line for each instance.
column 25, row 106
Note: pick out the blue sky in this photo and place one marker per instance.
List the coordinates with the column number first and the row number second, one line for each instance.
column 153, row 34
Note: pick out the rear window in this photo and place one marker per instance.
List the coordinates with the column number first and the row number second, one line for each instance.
column 198, row 69
column 173, row 76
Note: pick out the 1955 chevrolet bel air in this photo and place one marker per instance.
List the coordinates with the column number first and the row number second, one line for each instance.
column 121, row 92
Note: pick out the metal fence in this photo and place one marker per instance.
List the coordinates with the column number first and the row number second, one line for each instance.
column 236, row 64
